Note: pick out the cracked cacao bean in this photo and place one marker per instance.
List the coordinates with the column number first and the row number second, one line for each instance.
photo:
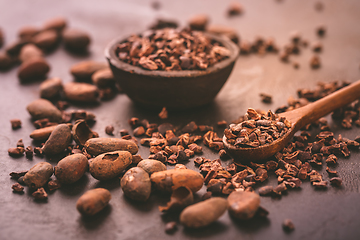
column 109, row 165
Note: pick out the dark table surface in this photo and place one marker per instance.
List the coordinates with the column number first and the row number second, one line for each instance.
column 329, row 214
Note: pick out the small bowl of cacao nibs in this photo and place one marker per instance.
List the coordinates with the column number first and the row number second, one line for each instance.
column 173, row 68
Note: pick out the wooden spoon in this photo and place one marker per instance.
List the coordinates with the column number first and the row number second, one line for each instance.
column 299, row 118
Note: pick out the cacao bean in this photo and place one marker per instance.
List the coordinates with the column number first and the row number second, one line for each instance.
column 50, row 88
column 203, row 213
column 136, row 184
column 58, row 141
column 76, row 40
column 171, row 179
column 42, row 108
column 151, row 166
column 46, row 40
column 34, row 68
column 81, row 92
column 27, row 32
column 71, row 168
column 38, row 175
column 83, row 71
column 103, row 78
column 243, row 205
column 96, row 146
column 58, row 24
column 81, row 132
column 109, row 165
column 30, row 51
column 93, row 201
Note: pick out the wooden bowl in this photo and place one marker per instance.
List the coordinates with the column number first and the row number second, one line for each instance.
column 172, row 89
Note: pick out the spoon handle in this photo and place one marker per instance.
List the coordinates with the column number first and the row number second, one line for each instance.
column 313, row 111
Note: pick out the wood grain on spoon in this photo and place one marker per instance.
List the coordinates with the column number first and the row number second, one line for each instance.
column 299, row 118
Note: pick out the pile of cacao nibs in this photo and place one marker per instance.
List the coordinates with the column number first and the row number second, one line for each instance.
column 257, row 129
column 171, row 49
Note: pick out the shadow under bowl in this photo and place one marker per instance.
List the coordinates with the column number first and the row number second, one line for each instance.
column 172, row 89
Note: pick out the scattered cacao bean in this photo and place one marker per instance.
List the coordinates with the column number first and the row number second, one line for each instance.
column 50, row 88
column 33, row 69
column 76, row 40
column 27, row 32
column 103, row 78
column 71, row 168
column 288, row 225
column 136, row 184
column 109, row 165
column 171, row 179
column 203, row 213
column 151, row 166
column 58, row 24
column 58, row 141
column 46, row 40
column 243, row 205
column 30, row 51
column 81, row 92
column 83, row 71
column 198, row 22
column 93, row 201
column 96, row 146
column 38, row 175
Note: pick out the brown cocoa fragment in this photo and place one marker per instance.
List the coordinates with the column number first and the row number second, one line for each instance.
column 243, row 205
column 16, row 187
column 109, row 130
column 40, row 194
column 288, row 225
column 315, row 62
column 279, row 189
column 317, row 46
column 139, row 131
column 320, row 184
column 235, row 9
column 29, row 153
column 198, row 22
column 266, row 98
column 331, row 172
column 321, row 30
column 17, row 175
column 53, row 185
column 265, row 191
column 170, row 227
column 190, row 127
column 163, row 114
column 16, row 152
column 336, row 181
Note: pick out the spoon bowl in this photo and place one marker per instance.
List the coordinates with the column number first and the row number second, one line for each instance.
column 299, row 118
